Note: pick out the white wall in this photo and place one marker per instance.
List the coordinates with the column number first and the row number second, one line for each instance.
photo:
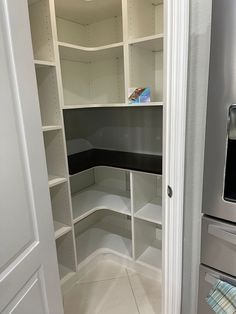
column 199, row 47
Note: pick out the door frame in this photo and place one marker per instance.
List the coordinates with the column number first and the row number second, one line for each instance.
column 174, row 117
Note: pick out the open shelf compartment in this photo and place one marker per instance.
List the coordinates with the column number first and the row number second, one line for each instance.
column 146, row 66
column 60, row 209
column 100, row 188
column 147, row 191
column 145, row 18
column 94, row 77
column 147, row 243
column 89, row 23
column 65, row 256
column 48, row 96
column 103, row 232
column 55, row 157
column 41, row 31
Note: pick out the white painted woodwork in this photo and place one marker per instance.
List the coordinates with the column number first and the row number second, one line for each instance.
column 42, row 21
column 29, row 280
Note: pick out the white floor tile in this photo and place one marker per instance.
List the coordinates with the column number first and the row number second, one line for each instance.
column 104, row 270
column 147, row 293
column 104, row 297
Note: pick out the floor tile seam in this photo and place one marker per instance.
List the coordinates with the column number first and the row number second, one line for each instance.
column 132, row 291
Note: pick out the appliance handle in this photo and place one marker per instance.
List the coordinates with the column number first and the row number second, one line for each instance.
column 212, row 279
column 224, row 234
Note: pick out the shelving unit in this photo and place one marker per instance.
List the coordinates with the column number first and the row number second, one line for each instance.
column 147, row 243
column 97, row 189
column 147, row 191
column 65, row 256
column 89, row 24
column 87, row 56
column 145, row 18
column 104, row 231
column 43, row 40
column 92, row 77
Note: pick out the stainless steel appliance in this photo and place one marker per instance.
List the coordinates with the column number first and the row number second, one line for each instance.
column 218, row 249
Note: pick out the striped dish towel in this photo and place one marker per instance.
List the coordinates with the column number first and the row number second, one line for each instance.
column 222, row 298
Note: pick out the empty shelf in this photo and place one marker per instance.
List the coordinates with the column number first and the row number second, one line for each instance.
column 152, row 256
column 153, row 43
column 96, row 197
column 97, row 238
column 55, row 180
column 60, row 229
column 152, row 211
column 47, row 128
column 84, row 54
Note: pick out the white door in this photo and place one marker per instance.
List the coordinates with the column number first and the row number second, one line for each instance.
column 29, row 279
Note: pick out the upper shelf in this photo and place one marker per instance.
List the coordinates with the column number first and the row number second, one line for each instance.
column 88, row 54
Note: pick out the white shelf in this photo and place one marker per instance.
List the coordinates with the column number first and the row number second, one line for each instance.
column 55, row 180
column 153, row 43
column 83, row 54
column 97, row 238
column 147, row 104
column 60, row 229
column 47, row 128
column 151, row 257
column 96, row 198
column 42, row 63
column 151, row 212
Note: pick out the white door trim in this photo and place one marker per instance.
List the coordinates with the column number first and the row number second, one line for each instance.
column 176, row 65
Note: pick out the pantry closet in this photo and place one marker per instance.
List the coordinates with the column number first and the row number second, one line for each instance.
column 103, row 153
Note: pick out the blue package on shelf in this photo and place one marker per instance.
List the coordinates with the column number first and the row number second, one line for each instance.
column 139, row 95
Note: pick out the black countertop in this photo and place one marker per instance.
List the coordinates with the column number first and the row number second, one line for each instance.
column 100, row 157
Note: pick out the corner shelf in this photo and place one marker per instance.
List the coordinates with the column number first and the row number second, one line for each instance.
column 96, row 198
column 60, row 229
column 55, row 180
column 88, row 54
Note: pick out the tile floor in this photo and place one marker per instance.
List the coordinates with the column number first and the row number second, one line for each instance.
column 113, row 289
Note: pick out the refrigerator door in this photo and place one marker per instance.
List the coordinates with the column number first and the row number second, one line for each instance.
column 218, row 247
column 207, row 279
column 221, row 95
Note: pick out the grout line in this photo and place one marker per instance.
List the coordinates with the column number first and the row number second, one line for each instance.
column 79, row 282
column 132, row 290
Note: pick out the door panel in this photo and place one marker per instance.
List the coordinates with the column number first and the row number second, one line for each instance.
column 30, row 299
column 29, row 278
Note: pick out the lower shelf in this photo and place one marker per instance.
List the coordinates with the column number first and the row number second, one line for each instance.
column 60, row 229
column 95, row 197
column 97, row 238
column 151, row 257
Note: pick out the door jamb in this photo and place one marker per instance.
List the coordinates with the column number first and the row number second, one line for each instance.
column 174, row 117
